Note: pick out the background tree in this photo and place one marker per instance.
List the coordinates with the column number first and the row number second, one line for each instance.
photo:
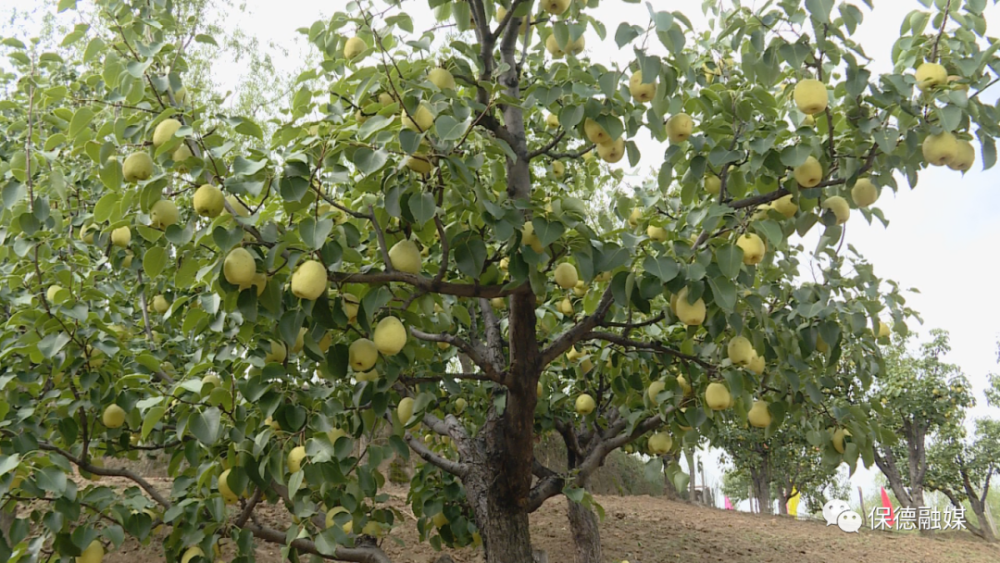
column 962, row 468
column 405, row 212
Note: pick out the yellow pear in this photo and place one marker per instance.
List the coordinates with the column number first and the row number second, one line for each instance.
column 528, row 237
column 713, row 184
column 370, row 375
column 160, row 304
column 810, row 96
column 659, row 234
column 300, row 340
column 679, row 127
column 930, row 76
column 237, row 205
column 94, row 553
column 227, row 494
column 498, row 303
column 372, row 528
column 277, row 354
column 439, row 520
column 354, row 47
column 883, row 330
column 964, row 157
column 362, row 354
column 654, row 389
column 581, row 289
column 552, row 46
column 309, row 280
column 585, row 404
column 566, row 276
column 121, row 237
column 555, row 7
column 786, row 206
column 350, row 304
column 210, row 380
column 566, row 307
column 558, row 169
column 756, row 365
column 612, row 151
column 691, row 314
column 809, row 173
column 164, row 131
column 441, row 78
column 641, row 93
column 753, row 248
column 552, row 121
column 52, row 292
column 405, row 409
column 759, row 415
column 740, row 351
column 717, row 397
column 634, row 217
column 660, row 443
column 420, row 120
column 259, row 281
column 682, row 382
column 839, row 207
column 209, row 201
column 191, row 553
column 838, row 439
column 162, row 214
column 420, row 163
column 239, row 267
column 576, row 47
column 940, row 149
column 181, row 154
column 864, row 192
column 405, row 257
column 137, row 167
column 348, row 526
column 390, row 336
column 87, row 233
column 295, row 458
column 113, row 416
column 594, row 132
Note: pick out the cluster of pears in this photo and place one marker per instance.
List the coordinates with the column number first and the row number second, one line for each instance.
column 608, row 149
column 388, row 338
column 742, row 353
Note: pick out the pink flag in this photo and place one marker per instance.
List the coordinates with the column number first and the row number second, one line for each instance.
column 729, row 505
column 887, row 505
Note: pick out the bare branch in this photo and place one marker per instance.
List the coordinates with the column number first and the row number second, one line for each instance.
column 106, row 472
column 474, row 353
column 361, row 554
column 548, row 146
column 650, row 346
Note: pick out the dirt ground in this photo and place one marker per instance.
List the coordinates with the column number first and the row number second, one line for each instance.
column 643, row 529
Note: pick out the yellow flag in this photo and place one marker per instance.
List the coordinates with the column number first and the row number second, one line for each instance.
column 793, row 503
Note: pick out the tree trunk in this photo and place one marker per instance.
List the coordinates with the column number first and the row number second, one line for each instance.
column 783, row 505
column 760, row 479
column 503, row 526
column 983, row 530
column 669, row 490
column 586, row 534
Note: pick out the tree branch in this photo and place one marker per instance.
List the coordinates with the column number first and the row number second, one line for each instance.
column 650, row 346
column 89, row 468
column 474, row 353
column 576, row 333
column 361, row 554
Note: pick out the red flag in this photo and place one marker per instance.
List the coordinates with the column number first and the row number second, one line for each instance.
column 729, row 505
column 887, row 504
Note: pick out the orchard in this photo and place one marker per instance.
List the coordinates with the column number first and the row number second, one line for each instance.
column 427, row 252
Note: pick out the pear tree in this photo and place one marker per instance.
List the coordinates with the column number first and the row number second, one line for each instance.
column 400, row 235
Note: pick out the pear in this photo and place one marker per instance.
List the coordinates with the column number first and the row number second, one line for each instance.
column 566, row 275
column 717, row 397
column 940, row 149
column 753, row 248
column 552, row 46
column 52, row 292
column 404, row 410
column 389, row 336
column 420, row 120
column 756, row 365
column 809, row 173
column 209, row 201
column 679, row 127
column 295, row 458
column 634, row 217
column 740, row 351
column 552, row 121
column 641, row 93
column 786, row 206
column 419, row 163
column 121, row 237
column 883, row 330
column 659, row 234
column 838, row 439
column 576, row 47
column 682, row 382
column 498, row 303
column 160, row 304
column 654, row 389
column 405, row 257
column 864, row 192
column 691, row 314
column 555, row 7
column 528, row 237
column 372, row 528
column 164, row 131
column 585, row 405
column 191, row 553
column 964, row 157
column 611, row 152
column 839, row 207
column 558, row 169
column 439, row 520
column 227, row 494
column 362, row 354
column 309, row 280
column 350, row 304
column 713, row 184
column 237, row 206
column 810, row 96
column 348, row 526
column 300, row 340
column 239, row 267
column 209, row 381
column 594, row 132
column 370, row 375
column 759, row 415
column 930, row 76
column 113, row 416
column 353, row 47
column 181, row 154
column 660, row 443
column 441, row 78
column 137, row 167
column 259, row 281
column 566, row 307
column 87, row 233
column 163, row 213
column 94, row 553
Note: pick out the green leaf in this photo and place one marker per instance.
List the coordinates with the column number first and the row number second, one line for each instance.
column 206, row 426
column 547, row 231
column 66, row 5
column 771, row 231
column 150, row 419
column 314, row 232
column 52, row 344
column 81, row 119
column 203, row 38
column 820, row 9
column 729, row 257
column 154, row 260
column 51, row 479
column 104, row 207
column 422, row 207
column 450, row 129
column 724, row 291
column 662, row 267
column 369, row 161
column 470, row 254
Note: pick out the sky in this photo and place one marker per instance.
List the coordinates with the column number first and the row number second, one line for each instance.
column 942, row 236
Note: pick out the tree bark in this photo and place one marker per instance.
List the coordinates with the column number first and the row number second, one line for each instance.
column 760, row 479
column 586, row 534
column 669, row 490
column 503, row 525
